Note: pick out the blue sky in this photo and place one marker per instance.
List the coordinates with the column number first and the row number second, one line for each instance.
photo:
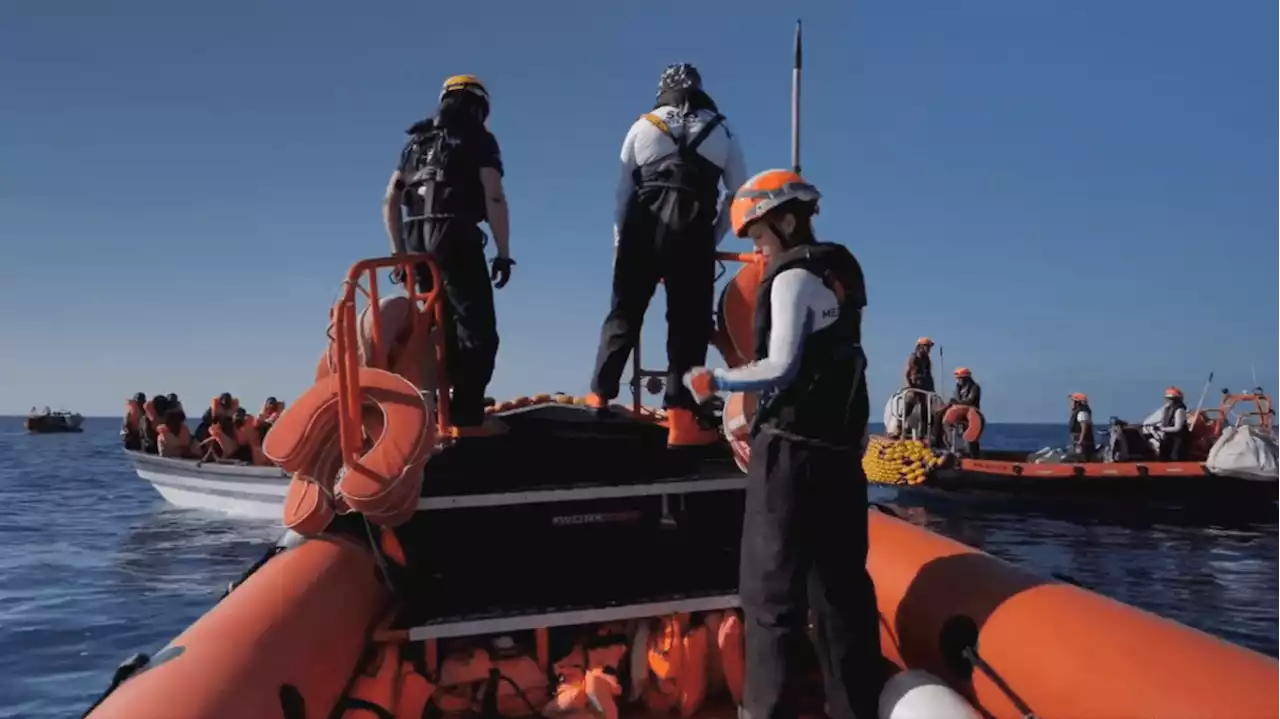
column 1067, row 196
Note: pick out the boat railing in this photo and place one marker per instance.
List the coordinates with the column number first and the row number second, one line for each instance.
column 926, row 402
column 654, row 381
column 362, row 281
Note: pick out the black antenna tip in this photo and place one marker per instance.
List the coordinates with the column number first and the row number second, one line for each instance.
column 799, row 55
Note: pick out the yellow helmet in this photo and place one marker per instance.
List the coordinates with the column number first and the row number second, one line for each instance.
column 465, row 83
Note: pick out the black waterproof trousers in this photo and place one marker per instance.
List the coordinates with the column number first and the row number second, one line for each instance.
column 648, row 250
column 804, row 546
column 470, row 328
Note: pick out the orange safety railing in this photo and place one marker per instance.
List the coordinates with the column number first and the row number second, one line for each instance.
column 347, row 344
column 656, row 377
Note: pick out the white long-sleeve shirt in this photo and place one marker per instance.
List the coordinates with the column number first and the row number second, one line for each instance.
column 645, row 144
column 799, row 305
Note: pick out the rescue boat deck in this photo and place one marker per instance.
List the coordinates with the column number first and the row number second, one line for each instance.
column 563, row 447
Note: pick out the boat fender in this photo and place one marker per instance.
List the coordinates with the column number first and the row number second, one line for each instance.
column 732, row 650
column 917, row 694
column 373, row 694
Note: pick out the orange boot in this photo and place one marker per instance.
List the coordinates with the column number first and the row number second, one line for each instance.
column 684, row 430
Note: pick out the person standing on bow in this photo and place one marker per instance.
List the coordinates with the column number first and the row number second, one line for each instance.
column 668, row 220
column 804, row 535
column 449, row 180
column 919, row 376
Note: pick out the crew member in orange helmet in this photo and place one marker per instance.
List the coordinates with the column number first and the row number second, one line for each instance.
column 919, row 375
column 969, row 394
column 1080, row 428
column 1174, row 432
column 805, row 527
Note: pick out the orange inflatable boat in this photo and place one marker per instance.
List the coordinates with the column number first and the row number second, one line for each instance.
column 564, row 562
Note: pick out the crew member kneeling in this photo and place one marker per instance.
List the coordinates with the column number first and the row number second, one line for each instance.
column 806, row 524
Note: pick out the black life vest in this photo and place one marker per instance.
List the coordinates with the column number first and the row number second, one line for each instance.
column 827, row 401
column 922, row 371
column 968, row 393
column 1166, row 418
column 1079, row 435
column 684, row 188
column 440, row 179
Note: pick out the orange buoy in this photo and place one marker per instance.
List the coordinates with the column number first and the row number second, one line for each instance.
column 975, row 423
column 734, row 335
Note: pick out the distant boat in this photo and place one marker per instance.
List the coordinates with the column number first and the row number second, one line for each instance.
column 53, row 422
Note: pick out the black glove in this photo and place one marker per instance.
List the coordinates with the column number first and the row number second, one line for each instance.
column 397, row 275
column 501, row 274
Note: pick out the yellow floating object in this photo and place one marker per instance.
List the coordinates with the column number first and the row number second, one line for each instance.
column 898, row 462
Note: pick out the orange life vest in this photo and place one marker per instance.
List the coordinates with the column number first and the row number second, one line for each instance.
column 170, row 446
column 270, row 413
column 132, row 415
column 248, row 434
column 218, row 410
column 226, row 444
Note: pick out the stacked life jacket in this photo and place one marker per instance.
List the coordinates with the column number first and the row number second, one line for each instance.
column 670, row 665
column 681, row 189
column 827, row 401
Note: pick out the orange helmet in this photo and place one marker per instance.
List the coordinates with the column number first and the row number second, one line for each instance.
column 1079, row 397
column 924, row 341
column 1173, row 393
column 962, row 372
column 766, row 191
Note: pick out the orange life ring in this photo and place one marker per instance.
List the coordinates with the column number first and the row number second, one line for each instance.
column 384, row 483
column 973, row 418
column 739, row 412
column 734, row 335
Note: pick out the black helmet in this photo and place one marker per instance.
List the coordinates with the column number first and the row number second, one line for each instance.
column 680, row 76
column 272, row 400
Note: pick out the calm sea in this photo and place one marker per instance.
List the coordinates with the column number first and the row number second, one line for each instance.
column 94, row 566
